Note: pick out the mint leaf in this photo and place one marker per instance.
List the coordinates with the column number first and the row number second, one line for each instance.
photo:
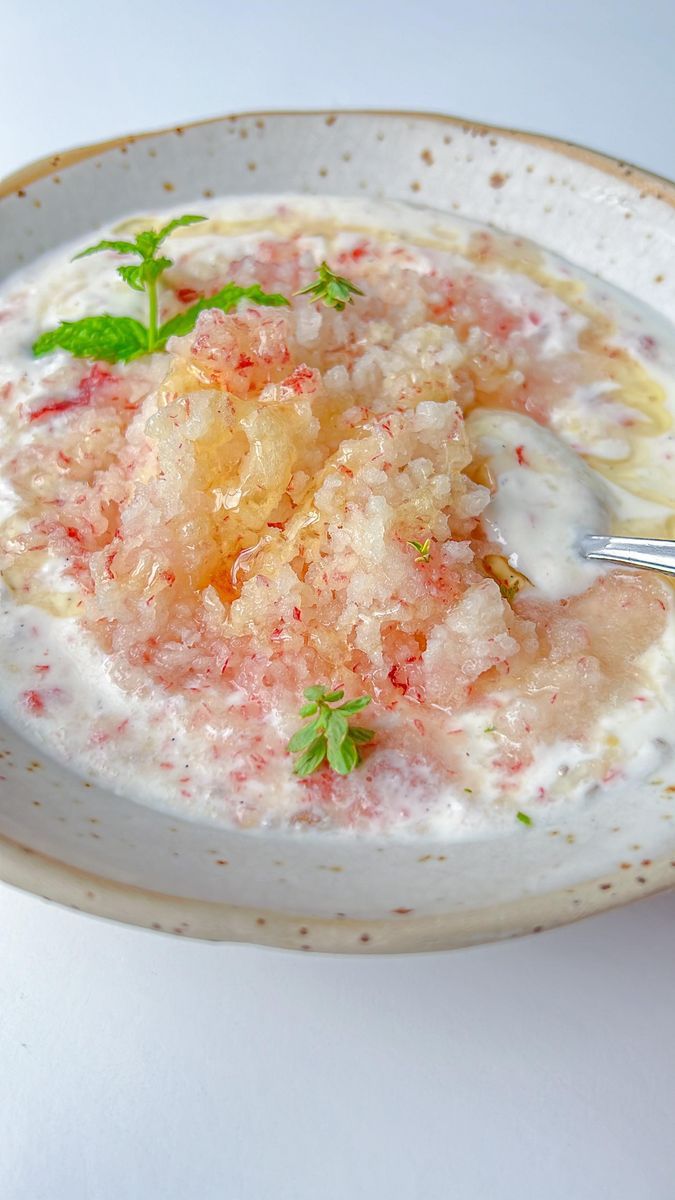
column 312, row 758
column 344, row 757
column 353, row 706
column 308, row 710
column 330, row 697
column 119, row 247
column 360, row 735
column 316, row 692
column 186, row 219
column 336, row 730
column 103, row 338
column 303, row 737
column 226, row 299
column 139, row 275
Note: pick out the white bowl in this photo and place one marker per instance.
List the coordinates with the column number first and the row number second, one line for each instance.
column 71, row 841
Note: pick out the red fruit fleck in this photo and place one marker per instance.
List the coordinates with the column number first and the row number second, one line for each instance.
column 301, row 380
column 297, row 615
column 522, row 456
column 34, row 702
column 83, row 396
column 40, row 667
column 187, row 295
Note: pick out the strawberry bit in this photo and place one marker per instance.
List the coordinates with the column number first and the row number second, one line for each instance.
column 166, row 766
column 188, row 295
column 84, row 395
column 302, row 381
column 40, row 667
column 297, row 615
column 522, row 456
column 34, row 702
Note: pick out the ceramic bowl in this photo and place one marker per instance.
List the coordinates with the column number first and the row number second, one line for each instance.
column 68, row 840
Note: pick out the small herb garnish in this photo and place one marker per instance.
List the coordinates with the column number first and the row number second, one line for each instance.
column 328, row 735
column 509, row 590
column 489, row 729
column 423, row 550
column 120, row 339
column 524, row 819
column 335, row 291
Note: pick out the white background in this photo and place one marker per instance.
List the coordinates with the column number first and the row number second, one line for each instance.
column 137, row 1067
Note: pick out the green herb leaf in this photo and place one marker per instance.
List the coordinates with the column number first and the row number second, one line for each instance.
column 307, row 710
column 226, row 299
column 312, row 758
column 176, row 223
column 353, row 706
column 316, row 692
column 336, row 729
column 359, row 735
column 103, row 338
column 423, row 550
column 331, row 697
column 303, row 737
column 343, row 757
column 334, row 290
column 524, row 819
column 118, row 247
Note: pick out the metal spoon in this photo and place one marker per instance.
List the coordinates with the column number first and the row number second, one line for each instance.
column 650, row 554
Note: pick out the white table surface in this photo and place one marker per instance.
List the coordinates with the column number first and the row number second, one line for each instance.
column 138, row 1067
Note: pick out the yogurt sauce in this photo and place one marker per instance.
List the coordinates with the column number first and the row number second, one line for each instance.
column 56, row 683
column 546, row 499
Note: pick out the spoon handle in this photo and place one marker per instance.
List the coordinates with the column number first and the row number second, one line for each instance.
column 648, row 553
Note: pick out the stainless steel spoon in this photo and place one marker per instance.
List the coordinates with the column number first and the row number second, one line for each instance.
column 650, row 554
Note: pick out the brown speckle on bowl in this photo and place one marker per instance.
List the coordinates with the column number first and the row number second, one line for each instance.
column 168, row 187
column 427, row 157
column 415, row 185
column 207, row 193
column 331, row 119
column 365, row 937
column 252, row 166
column 401, row 912
column 498, row 179
column 260, row 921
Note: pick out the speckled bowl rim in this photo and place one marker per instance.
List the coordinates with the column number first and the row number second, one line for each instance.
column 56, row 881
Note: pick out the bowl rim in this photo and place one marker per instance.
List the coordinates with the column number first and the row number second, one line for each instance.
column 38, row 873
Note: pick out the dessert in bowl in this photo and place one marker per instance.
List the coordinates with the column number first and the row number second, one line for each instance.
column 294, row 620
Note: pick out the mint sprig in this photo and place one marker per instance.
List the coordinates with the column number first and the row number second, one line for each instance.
column 328, row 735
column 112, row 339
column 334, row 290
